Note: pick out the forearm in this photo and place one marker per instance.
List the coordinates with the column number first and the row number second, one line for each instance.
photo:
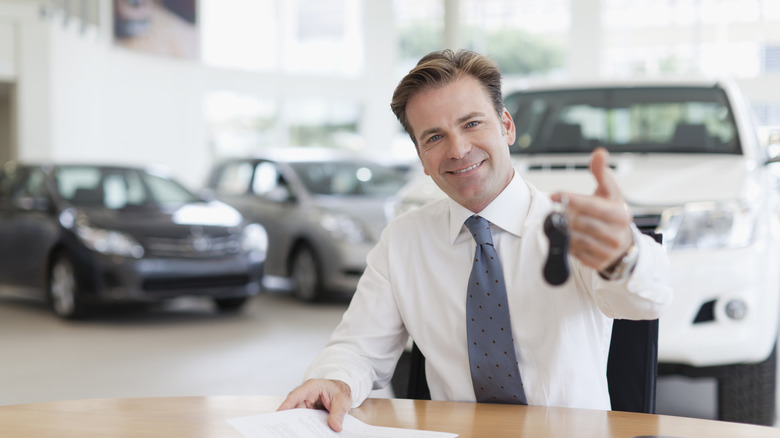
column 367, row 343
column 645, row 293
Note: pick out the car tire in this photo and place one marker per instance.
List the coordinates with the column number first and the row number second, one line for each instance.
column 746, row 392
column 63, row 289
column 306, row 274
column 230, row 304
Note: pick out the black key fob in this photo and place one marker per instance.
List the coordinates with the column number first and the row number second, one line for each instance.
column 556, row 269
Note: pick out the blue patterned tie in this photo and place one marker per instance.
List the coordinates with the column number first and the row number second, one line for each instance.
column 494, row 369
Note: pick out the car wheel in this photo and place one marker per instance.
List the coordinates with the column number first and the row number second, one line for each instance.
column 64, row 289
column 746, row 392
column 306, row 274
column 229, row 304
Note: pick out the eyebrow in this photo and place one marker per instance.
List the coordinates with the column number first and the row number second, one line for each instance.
column 458, row 121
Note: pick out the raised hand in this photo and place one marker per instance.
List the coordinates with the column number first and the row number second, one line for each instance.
column 599, row 224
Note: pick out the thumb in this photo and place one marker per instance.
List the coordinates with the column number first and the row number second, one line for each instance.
column 337, row 411
column 607, row 185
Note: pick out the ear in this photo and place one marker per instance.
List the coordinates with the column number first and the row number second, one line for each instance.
column 509, row 127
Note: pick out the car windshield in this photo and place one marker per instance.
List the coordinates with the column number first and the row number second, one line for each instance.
column 348, row 178
column 649, row 119
column 119, row 188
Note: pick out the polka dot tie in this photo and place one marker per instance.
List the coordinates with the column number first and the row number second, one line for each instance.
column 494, row 369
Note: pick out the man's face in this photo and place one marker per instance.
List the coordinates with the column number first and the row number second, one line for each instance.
column 462, row 143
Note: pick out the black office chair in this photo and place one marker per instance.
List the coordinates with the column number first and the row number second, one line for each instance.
column 632, row 366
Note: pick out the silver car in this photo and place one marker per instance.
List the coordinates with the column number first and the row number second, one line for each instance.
column 323, row 209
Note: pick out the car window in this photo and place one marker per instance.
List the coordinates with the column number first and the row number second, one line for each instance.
column 674, row 119
column 123, row 188
column 118, row 188
column 266, row 178
column 6, row 188
column 347, row 178
column 234, row 179
column 80, row 185
column 34, row 185
column 8, row 181
column 168, row 192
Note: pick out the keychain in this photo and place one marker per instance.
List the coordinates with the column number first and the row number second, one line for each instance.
column 556, row 268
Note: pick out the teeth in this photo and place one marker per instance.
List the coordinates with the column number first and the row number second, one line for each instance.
column 466, row 169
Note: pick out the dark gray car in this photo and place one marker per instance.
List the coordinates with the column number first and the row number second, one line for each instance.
column 83, row 235
column 324, row 210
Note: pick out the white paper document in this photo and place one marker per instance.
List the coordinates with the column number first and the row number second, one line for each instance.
column 312, row 423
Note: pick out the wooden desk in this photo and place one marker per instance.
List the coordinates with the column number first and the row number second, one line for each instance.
column 193, row 417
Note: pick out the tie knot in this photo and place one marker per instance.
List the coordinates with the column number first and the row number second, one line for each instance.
column 480, row 229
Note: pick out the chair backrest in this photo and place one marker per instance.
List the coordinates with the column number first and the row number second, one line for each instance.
column 632, row 366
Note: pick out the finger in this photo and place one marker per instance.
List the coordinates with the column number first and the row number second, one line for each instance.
column 589, row 251
column 607, row 187
column 289, row 403
column 338, row 409
column 596, row 229
column 606, row 210
column 301, row 397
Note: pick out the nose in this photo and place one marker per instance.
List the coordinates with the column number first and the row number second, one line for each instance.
column 459, row 147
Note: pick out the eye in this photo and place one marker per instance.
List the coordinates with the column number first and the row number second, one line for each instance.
column 433, row 138
column 472, row 123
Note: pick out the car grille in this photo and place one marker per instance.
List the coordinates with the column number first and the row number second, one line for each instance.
column 162, row 284
column 193, row 247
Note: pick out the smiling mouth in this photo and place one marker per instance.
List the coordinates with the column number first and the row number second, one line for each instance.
column 473, row 166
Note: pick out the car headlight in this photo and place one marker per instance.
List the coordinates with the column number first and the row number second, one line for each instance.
column 98, row 239
column 109, row 241
column 709, row 225
column 254, row 238
column 344, row 227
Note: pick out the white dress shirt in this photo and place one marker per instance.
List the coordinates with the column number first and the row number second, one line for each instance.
column 415, row 285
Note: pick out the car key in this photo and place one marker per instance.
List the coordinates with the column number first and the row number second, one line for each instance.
column 556, row 269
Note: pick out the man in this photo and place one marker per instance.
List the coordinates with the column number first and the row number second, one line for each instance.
column 418, row 275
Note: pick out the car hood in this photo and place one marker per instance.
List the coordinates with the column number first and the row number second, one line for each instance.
column 368, row 210
column 648, row 180
column 658, row 180
column 148, row 221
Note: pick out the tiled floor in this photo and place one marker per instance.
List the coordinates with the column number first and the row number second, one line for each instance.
column 189, row 349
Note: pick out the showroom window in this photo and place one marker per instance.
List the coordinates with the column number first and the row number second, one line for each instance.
column 322, row 37
column 689, row 37
column 323, row 123
column 526, row 37
column 419, row 29
column 240, row 124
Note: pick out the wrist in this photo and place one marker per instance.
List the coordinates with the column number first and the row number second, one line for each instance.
column 624, row 265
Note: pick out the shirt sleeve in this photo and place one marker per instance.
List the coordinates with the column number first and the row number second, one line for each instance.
column 645, row 293
column 367, row 343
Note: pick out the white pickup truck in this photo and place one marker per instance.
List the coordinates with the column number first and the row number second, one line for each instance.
column 691, row 167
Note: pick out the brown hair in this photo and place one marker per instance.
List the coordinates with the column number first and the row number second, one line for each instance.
column 440, row 68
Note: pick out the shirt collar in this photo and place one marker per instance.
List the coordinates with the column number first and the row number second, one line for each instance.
column 508, row 211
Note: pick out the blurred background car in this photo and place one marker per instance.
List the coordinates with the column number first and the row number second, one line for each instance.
column 688, row 159
column 323, row 209
column 85, row 235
